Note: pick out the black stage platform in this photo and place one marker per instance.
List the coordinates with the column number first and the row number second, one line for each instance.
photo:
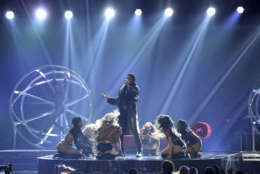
column 23, row 161
column 48, row 165
column 29, row 161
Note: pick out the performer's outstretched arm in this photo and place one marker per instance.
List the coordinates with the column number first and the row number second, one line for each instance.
column 110, row 100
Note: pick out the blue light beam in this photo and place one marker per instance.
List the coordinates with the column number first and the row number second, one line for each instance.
column 250, row 42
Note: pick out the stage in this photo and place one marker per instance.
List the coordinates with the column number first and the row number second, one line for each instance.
column 23, row 161
column 242, row 161
column 42, row 162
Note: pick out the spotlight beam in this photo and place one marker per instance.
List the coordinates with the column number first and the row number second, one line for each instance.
column 67, row 45
column 147, row 42
column 198, row 35
column 98, row 50
column 225, row 76
column 18, row 43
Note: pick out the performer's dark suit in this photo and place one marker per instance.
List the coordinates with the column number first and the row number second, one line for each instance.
column 128, row 119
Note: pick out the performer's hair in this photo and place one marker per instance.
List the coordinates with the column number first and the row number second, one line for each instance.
column 184, row 169
column 108, row 126
column 132, row 171
column 132, row 76
column 168, row 166
column 164, row 122
column 75, row 121
column 90, row 131
column 109, row 118
column 183, row 125
column 147, row 128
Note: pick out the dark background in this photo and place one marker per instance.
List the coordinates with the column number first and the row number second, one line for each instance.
column 208, row 80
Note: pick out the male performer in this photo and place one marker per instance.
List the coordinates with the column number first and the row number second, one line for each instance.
column 126, row 102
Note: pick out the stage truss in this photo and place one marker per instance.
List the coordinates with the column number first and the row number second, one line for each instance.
column 254, row 114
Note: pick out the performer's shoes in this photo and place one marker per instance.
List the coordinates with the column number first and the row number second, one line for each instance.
column 121, row 154
column 139, row 155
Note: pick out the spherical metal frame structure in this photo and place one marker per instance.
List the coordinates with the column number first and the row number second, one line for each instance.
column 46, row 76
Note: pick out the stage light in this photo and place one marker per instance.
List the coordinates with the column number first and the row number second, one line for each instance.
column 211, row 11
column 41, row 13
column 110, row 13
column 168, row 12
column 68, row 14
column 9, row 15
column 240, row 9
column 138, row 12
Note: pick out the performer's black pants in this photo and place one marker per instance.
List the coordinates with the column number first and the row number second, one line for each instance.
column 130, row 122
column 102, row 149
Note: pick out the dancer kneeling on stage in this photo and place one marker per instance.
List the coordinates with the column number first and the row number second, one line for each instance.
column 150, row 139
column 192, row 141
column 90, row 132
column 109, row 133
column 65, row 148
column 176, row 146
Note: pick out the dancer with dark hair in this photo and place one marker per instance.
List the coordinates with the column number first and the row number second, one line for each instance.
column 65, row 148
column 192, row 141
column 184, row 169
column 193, row 170
column 176, row 146
column 128, row 119
column 168, row 167
column 210, row 170
column 132, row 171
